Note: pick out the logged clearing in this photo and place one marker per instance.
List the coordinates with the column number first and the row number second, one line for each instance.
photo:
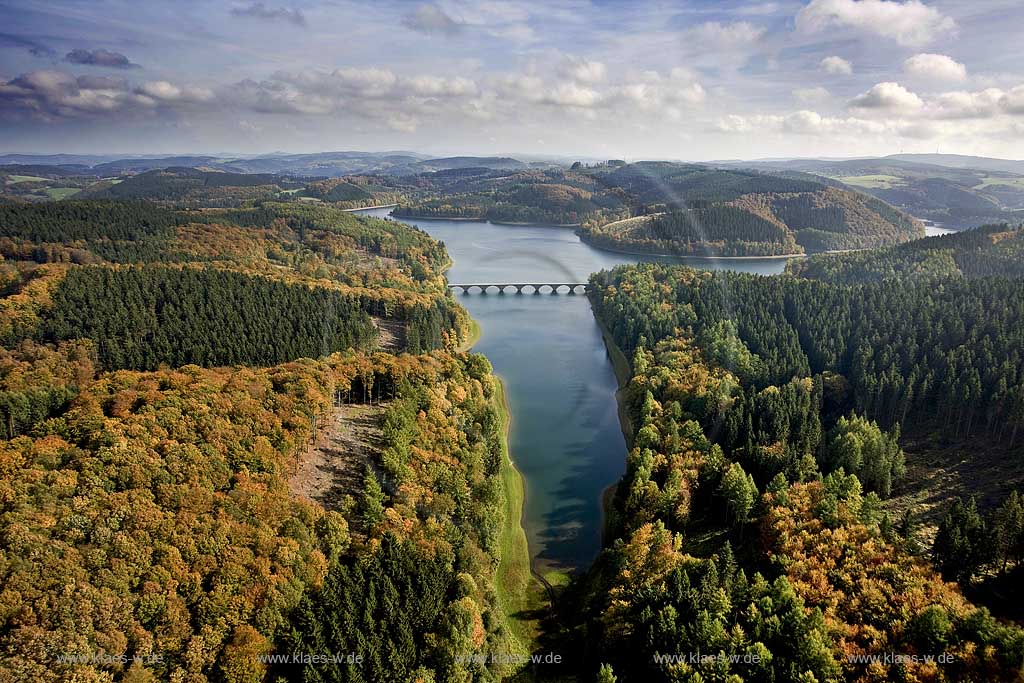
column 334, row 465
column 390, row 334
column 939, row 470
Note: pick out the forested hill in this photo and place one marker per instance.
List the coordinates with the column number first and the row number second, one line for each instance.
column 691, row 208
column 253, row 286
column 986, row 251
column 767, row 418
column 163, row 517
column 194, row 186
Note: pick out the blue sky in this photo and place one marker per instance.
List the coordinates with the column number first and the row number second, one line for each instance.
column 687, row 80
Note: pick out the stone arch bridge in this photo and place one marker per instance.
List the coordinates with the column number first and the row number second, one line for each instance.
column 522, row 288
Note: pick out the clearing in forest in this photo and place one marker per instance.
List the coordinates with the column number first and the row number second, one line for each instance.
column 333, row 465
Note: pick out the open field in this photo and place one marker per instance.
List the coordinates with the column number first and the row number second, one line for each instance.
column 61, row 192
column 11, row 179
column 998, row 180
column 876, row 181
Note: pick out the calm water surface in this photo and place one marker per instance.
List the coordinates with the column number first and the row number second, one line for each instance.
column 565, row 437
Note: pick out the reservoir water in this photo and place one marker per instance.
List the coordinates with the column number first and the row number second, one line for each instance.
column 565, row 437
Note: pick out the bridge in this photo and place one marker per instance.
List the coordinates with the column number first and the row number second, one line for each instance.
column 520, row 288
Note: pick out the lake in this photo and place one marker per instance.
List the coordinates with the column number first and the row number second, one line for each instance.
column 565, row 438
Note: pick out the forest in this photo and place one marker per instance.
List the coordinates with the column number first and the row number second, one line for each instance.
column 990, row 250
column 670, row 208
column 153, row 519
column 163, row 373
column 715, row 230
column 766, row 420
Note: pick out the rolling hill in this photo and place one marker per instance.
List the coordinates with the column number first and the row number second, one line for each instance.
column 321, row 164
column 191, row 186
column 671, row 208
column 951, row 190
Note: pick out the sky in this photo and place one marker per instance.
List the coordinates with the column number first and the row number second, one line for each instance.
column 596, row 79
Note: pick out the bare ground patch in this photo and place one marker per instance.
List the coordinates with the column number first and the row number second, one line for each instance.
column 390, row 333
column 940, row 469
column 334, row 465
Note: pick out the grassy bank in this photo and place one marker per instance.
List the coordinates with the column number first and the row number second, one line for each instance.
column 473, row 338
column 521, row 596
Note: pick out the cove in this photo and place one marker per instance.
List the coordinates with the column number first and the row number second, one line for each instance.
column 565, row 436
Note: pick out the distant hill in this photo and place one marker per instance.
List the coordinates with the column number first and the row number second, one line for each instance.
column 120, row 166
column 192, row 186
column 941, row 188
column 675, row 208
column 963, row 161
column 320, row 164
column 43, row 182
column 57, row 159
column 47, row 171
column 448, row 163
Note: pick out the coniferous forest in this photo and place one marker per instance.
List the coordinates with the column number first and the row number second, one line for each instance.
column 766, row 417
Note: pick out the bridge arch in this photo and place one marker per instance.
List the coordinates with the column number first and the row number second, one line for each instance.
column 568, row 288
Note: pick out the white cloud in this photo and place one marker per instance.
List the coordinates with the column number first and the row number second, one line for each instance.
column 52, row 94
column 811, row 95
column 760, row 9
column 806, row 122
column 403, row 123
column 169, row 92
column 836, row 66
column 910, row 23
column 434, row 86
column 966, row 105
column 652, row 92
column 571, row 95
column 717, row 35
column 888, row 95
column 987, row 103
column 935, row 67
column 431, row 19
column 584, row 70
column 1013, row 101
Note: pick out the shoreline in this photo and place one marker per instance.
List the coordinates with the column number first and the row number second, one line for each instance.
column 438, row 218
column 474, row 336
column 520, row 224
column 527, row 224
column 519, row 588
column 367, row 208
column 623, row 374
column 693, row 256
